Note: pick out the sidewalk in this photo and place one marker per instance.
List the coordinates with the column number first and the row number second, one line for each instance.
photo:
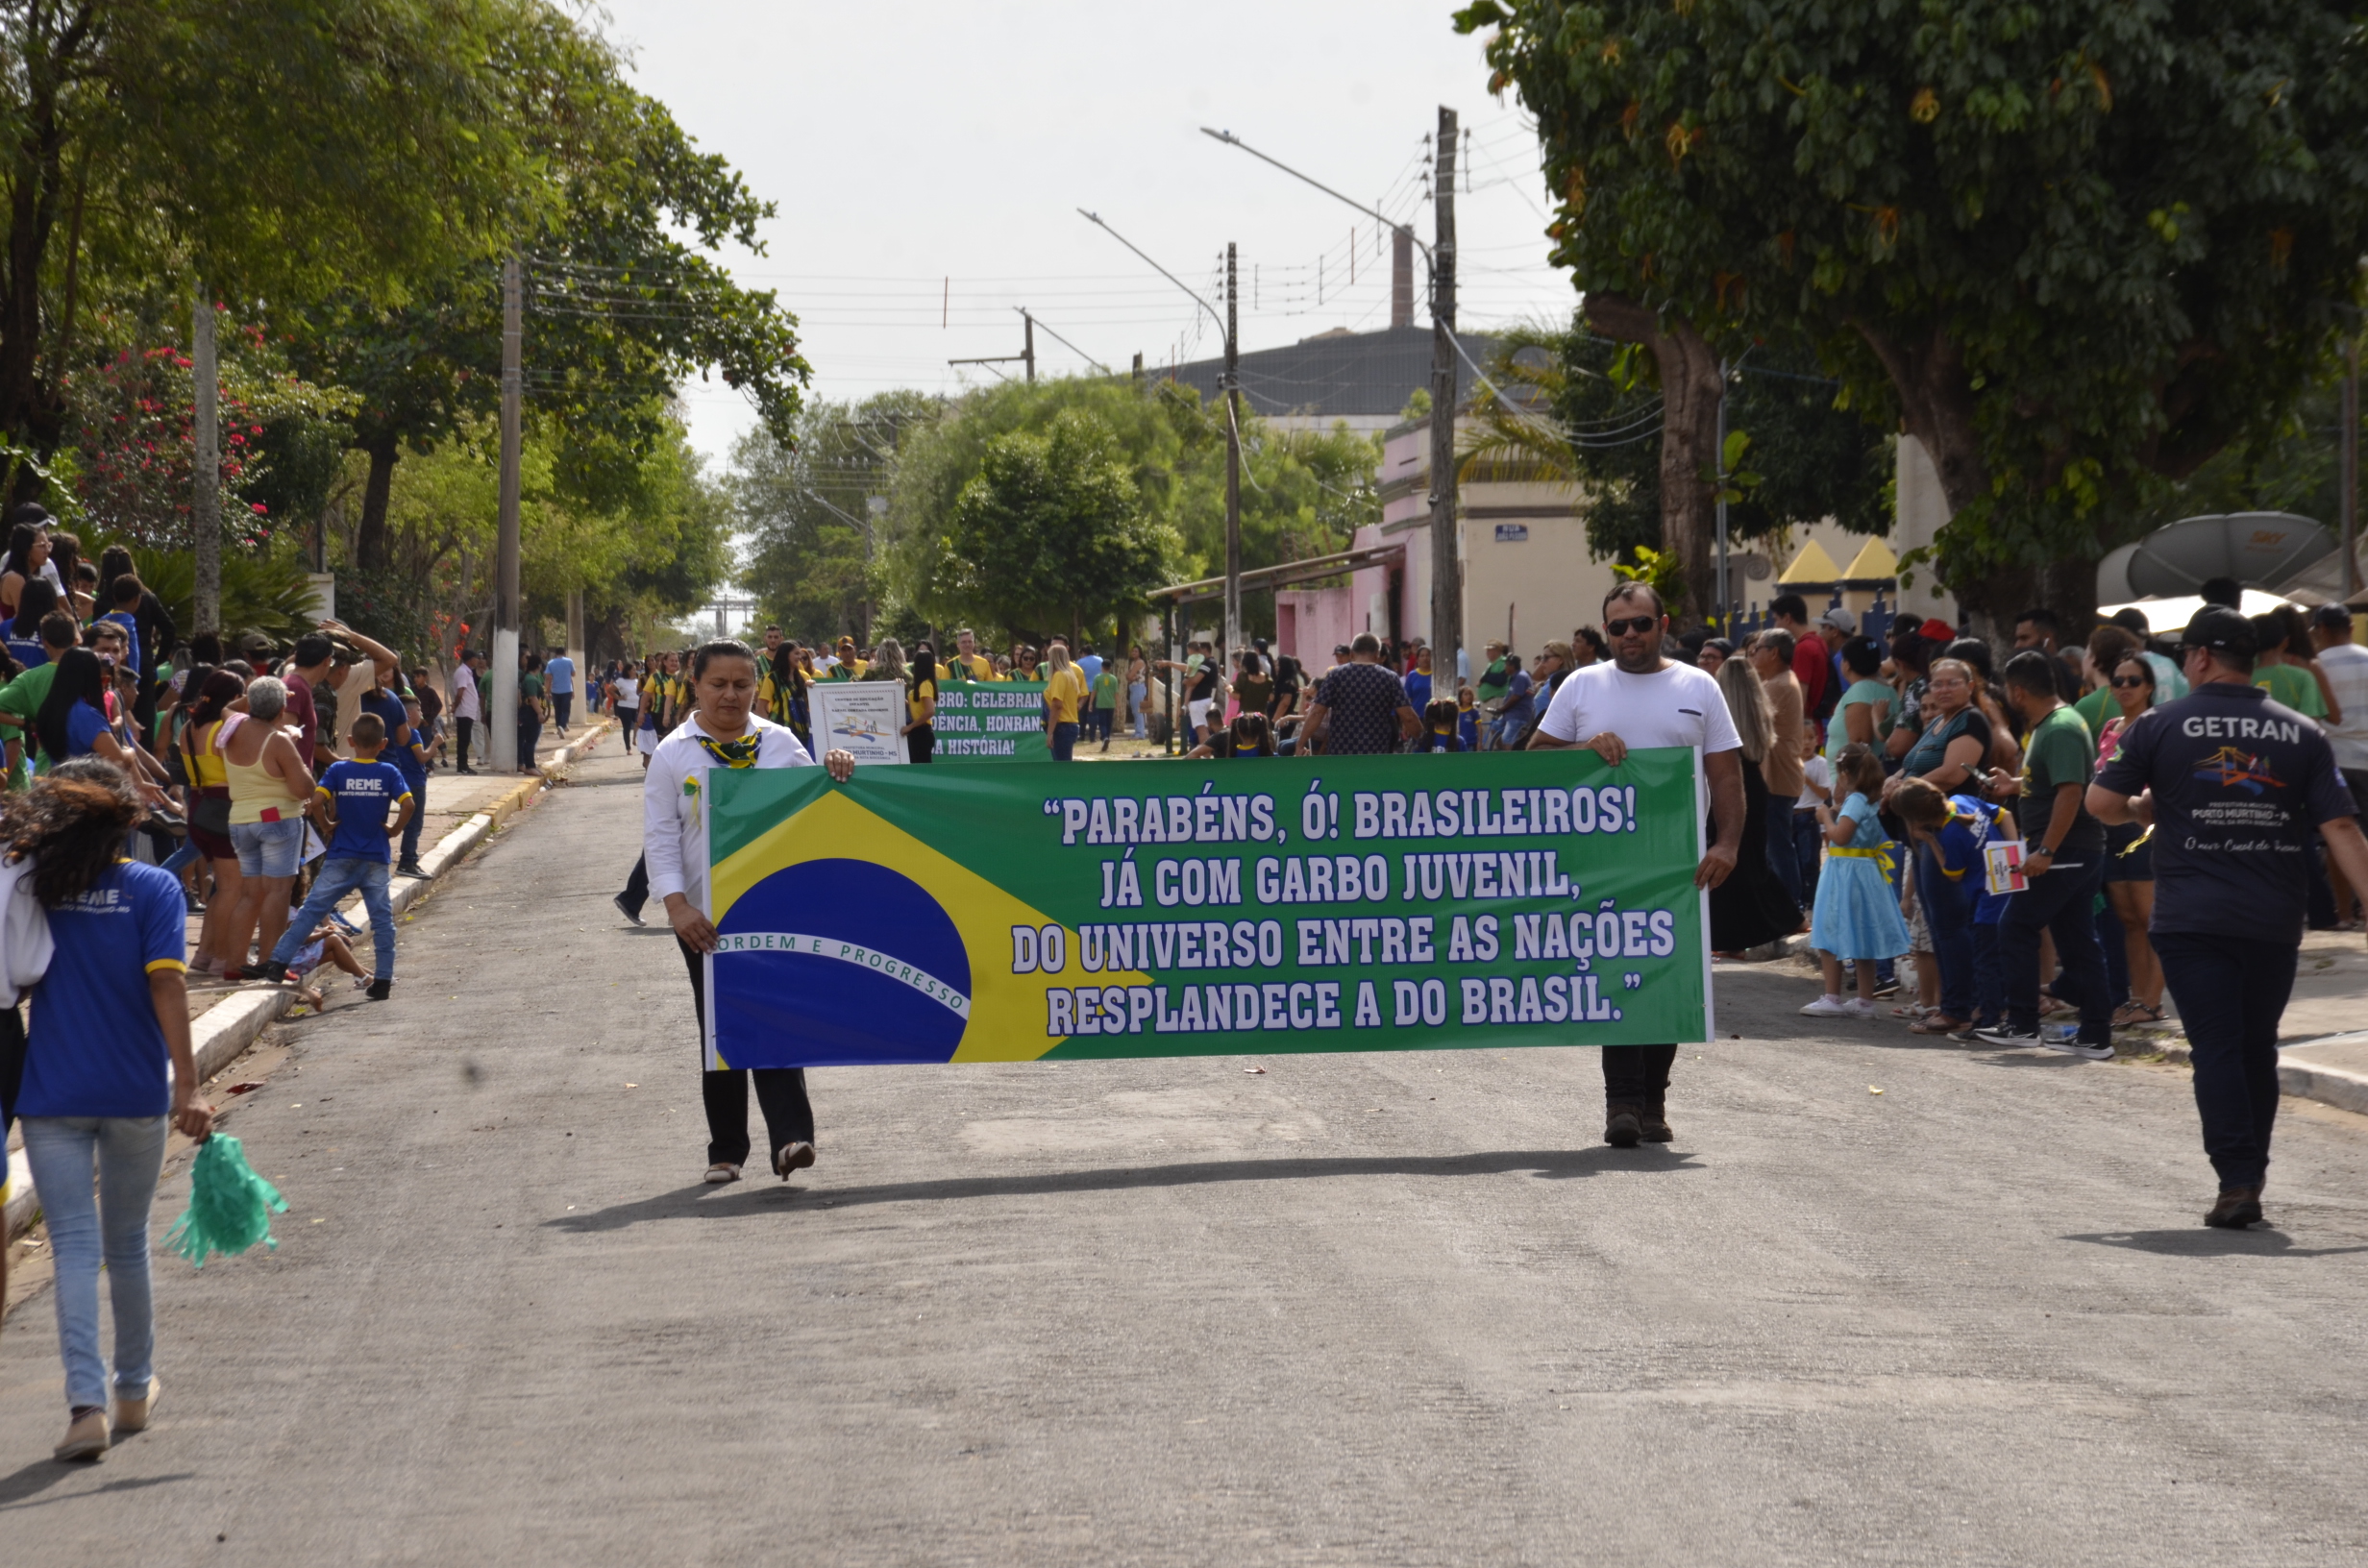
column 2323, row 1049
column 463, row 813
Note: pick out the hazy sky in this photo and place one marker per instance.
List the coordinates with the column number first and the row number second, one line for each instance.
column 926, row 152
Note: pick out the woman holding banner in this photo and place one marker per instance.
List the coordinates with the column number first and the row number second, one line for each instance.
column 723, row 733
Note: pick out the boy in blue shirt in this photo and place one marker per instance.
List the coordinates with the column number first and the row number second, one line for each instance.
column 363, row 804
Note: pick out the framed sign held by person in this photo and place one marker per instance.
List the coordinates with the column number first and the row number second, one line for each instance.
column 863, row 717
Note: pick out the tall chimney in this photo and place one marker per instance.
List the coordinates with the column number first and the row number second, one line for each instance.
column 1401, row 277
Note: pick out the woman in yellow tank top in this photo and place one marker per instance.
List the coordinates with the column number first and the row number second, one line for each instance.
column 270, row 786
column 210, row 810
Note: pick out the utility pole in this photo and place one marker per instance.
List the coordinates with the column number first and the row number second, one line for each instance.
column 1028, row 353
column 574, row 642
column 2347, row 458
column 1718, row 622
column 1446, row 551
column 501, row 712
column 1231, row 637
column 206, row 472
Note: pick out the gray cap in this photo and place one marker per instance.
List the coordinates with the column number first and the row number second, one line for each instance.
column 1841, row 620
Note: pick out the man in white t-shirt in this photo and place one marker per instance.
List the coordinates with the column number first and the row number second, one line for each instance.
column 468, row 708
column 1639, row 699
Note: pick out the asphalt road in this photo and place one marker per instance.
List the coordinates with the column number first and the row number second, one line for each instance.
column 1355, row 1310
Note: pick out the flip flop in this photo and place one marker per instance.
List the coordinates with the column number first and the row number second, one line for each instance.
column 1934, row 1025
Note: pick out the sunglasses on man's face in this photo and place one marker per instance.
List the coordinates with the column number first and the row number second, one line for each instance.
column 1640, row 625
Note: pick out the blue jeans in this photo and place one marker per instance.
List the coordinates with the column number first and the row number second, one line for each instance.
column 1064, row 742
column 1782, row 857
column 1989, row 977
column 1948, row 911
column 1808, row 837
column 1137, row 697
column 418, row 786
column 340, row 876
column 84, row 1229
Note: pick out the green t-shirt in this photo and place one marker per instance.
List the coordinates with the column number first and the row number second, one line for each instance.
column 1493, row 682
column 1106, row 689
column 2058, row 751
column 2097, row 707
column 1865, row 690
column 2291, row 684
column 22, row 697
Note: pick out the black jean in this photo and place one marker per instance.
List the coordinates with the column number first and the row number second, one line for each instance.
column 1637, row 1074
column 530, row 736
column 12, row 1070
column 637, row 887
column 2231, row 993
column 781, row 1092
column 464, row 728
column 2057, row 902
column 563, row 708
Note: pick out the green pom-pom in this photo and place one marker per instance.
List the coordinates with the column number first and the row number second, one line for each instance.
column 230, row 1206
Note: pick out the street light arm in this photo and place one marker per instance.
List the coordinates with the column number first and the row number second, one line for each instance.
column 1232, row 141
column 1063, row 342
column 1095, row 218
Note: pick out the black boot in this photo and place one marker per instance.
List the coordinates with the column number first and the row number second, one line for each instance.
column 1654, row 1120
column 1623, row 1124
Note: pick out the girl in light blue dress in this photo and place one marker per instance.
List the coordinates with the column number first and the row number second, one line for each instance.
column 1857, row 917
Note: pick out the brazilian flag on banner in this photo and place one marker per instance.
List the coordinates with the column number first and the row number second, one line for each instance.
column 1223, row 908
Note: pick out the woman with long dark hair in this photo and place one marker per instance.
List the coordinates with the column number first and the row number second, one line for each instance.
column 107, row 1073
column 65, row 556
column 921, row 704
column 210, row 806
column 28, row 558
column 72, row 721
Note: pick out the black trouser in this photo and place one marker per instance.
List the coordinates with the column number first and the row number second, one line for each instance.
column 2231, row 993
column 562, row 708
column 1637, row 1074
column 530, row 736
column 920, row 742
column 637, row 887
column 627, row 719
column 781, row 1092
column 2057, row 902
column 464, row 728
column 11, row 1073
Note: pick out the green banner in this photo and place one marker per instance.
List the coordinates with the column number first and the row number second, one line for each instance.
column 1220, row 908
column 994, row 721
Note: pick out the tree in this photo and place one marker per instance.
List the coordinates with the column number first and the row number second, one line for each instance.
column 2074, row 250
column 1582, row 411
column 275, row 147
column 806, row 510
column 1303, row 493
column 622, row 305
column 1051, row 533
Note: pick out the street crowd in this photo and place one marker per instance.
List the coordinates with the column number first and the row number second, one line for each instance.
column 150, row 778
column 2020, row 846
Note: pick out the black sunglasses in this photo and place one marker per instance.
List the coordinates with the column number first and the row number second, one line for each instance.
column 2127, row 681
column 1640, row 623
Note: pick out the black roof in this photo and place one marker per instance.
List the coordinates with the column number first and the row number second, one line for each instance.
column 1356, row 373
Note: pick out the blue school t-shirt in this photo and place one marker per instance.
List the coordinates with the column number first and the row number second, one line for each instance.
column 94, row 1047
column 367, row 795
column 24, row 642
column 130, row 636
column 1961, row 846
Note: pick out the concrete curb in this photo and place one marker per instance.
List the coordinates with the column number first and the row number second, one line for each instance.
column 221, row 1034
column 2343, row 1090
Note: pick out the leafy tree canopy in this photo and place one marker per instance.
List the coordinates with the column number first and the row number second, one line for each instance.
column 2076, row 249
column 1303, row 493
column 1051, row 534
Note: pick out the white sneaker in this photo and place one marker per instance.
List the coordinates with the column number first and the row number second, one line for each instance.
column 1826, row 1007
column 1858, row 1007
